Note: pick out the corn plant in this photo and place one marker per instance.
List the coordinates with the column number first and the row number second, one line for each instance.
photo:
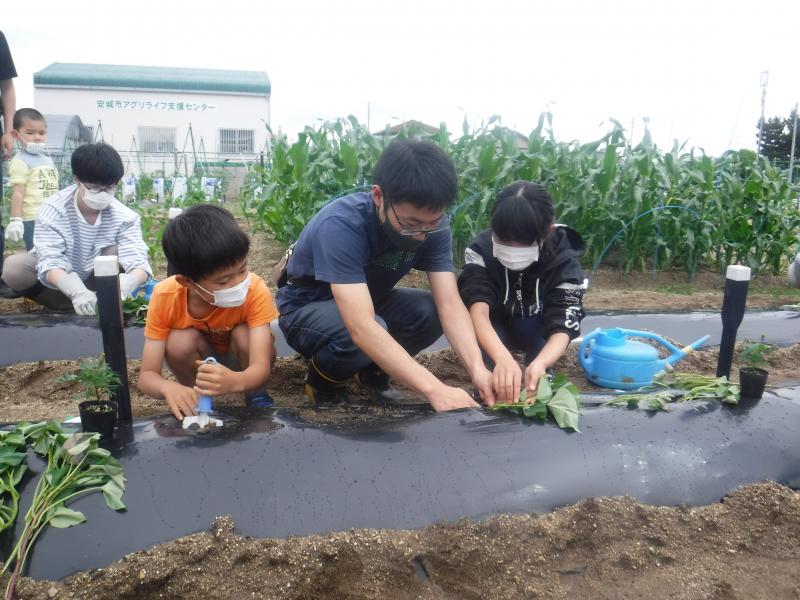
column 634, row 204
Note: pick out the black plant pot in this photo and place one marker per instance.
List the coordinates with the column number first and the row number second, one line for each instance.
column 752, row 381
column 98, row 416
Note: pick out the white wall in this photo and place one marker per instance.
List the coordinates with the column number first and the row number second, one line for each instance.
column 207, row 113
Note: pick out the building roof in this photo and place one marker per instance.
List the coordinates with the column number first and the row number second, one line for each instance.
column 64, row 129
column 153, row 78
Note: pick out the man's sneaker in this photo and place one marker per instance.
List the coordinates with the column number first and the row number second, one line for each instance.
column 258, row 399
column 376, row 383
column 322, row 391
column 7, row 292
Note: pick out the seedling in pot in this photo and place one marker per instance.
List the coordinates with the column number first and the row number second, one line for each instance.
column 97, row 412
column 753, row 371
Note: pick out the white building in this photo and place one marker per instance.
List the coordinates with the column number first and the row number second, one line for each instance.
column 162, row 118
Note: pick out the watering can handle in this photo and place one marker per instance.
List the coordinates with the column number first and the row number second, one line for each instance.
column 586, row 362
column 676, row 353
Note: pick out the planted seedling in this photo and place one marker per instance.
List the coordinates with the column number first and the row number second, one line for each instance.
column 96, row 377
column 134, row 310
column 76, row 466
column 560, row 398
column 754, row 355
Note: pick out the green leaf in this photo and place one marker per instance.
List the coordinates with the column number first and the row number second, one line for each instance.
column 113, row 496
column 543, row 391
column 62, row 517
column 564, row 407
column 535, row 409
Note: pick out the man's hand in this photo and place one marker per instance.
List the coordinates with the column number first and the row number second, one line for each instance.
column 15, row 229
column 450, row 398
column 127, row 283
column 506, row 380
column 182, row 400
column 7, row 142
column 482, row 380
column 214, row 380
column 83, row 299
column 533, row 374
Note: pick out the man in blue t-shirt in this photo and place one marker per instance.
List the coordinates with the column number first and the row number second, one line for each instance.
column 340, row 307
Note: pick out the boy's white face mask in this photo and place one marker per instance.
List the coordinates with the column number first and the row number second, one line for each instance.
column 35, row 147
column 96, row 200
column 229, row 297
column 513, row 257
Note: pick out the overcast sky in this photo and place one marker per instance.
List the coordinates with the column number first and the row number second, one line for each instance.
column 692, row 68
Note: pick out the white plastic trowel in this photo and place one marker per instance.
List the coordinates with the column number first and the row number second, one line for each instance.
column 204, row 406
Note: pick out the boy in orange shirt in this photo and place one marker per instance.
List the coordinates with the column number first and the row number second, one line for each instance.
column 212, row 306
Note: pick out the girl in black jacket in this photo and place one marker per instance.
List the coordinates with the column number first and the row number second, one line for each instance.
column 523, row 286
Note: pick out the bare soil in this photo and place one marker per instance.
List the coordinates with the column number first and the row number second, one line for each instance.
column 601, row 548
column 36, row 391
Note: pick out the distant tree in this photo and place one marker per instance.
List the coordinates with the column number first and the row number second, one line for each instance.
column 776, row 141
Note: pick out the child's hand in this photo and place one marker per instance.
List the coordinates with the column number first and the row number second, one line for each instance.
column 533, row 374
column 182, row 400
column 213, row 380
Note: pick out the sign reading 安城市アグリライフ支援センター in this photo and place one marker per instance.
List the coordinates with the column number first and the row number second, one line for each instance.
column 157, row 105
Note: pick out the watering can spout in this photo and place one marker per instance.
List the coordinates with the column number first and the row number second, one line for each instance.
column 684, row 352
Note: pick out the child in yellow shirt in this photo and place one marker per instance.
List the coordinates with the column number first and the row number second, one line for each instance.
column 31, row 173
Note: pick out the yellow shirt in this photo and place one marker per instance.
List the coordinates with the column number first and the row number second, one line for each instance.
column 39, row 176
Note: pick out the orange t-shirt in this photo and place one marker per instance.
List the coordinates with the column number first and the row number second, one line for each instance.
column 168, row 310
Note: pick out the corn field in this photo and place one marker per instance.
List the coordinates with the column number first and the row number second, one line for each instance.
column 637, row 207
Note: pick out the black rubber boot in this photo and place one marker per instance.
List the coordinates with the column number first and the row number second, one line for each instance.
column 323, row 390
column 376, row 383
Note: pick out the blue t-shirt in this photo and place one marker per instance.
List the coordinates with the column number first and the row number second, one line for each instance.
column 344, row 243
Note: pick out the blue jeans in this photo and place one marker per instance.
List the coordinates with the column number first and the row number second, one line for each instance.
column 523, row 335
column 317, row 331
column 28, row 234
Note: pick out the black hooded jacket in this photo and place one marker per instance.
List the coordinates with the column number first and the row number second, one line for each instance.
column 553, row 286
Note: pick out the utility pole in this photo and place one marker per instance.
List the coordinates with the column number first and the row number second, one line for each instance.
column 794, row 141
column 764, row 81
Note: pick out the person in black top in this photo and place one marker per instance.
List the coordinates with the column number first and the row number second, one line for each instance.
column 523, row 286
column 8, row 96
column 8, row 101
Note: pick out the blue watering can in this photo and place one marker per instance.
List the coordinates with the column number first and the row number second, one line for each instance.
column 611, row 360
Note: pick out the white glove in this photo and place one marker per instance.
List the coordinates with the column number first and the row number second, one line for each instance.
column 83, row 300
column 127, row 283
column 794, row 271
column 15, row 230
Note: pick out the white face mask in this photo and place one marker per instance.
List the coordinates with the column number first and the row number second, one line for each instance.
column 96, row 200
column 515, row 258
column 34, row 147
column 229, row 297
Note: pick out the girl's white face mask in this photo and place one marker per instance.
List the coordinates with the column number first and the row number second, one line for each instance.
column 229, row 297
column 514, row 258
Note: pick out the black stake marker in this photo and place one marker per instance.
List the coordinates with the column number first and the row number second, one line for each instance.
column 737, row 281
column 109, row 306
